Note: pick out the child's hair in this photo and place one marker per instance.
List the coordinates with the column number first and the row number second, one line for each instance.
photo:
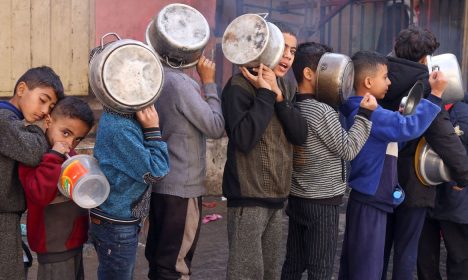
column 308, row 55
column 285, row 28
column 414, row 43
column 74, row 108
column 365, row 63
column 42, row 76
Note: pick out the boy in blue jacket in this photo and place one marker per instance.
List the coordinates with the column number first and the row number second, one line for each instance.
column 132, row 155
column 371, row 196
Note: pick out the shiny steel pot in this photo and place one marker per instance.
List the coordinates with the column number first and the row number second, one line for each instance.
column 335, row 78
column 408, row 103
column 429, row 167
column 448, row 64
column 125, row 75
column 179, row 33
column 250, row 40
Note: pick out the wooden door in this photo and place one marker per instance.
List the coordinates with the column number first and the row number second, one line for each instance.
column 57, row 33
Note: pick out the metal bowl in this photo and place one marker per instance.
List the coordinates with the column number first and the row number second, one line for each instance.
column 429, row 167
column 335, row 78
column 408, row 103
column 448, row 64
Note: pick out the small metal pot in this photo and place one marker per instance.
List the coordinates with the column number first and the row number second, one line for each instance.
column 408, row 103
column 250, row 40
column 179, row 33
column 448, row 64
column 335, row 79
column 125, row 75
column 429, row 167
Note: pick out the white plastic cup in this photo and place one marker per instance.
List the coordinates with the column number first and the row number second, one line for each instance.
column 82, row 180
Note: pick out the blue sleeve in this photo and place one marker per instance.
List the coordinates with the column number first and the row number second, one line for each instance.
column 392, row 126
column 121, row 146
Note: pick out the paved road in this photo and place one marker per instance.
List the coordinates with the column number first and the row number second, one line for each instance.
column 210, row 258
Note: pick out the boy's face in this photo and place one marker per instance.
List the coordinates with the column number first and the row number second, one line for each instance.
column 290, row 45
column 379, row 82
column 65, row 129
column 35, row 103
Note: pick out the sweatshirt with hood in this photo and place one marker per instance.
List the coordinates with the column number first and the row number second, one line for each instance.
column 440, row 135
column 388, row 126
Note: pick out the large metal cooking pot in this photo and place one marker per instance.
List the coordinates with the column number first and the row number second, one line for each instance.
column 179, row 33
column 250, row 40
column 429, row 167
column 335, row 78
column 448, row 64
column 125, row 75
column 408, row 103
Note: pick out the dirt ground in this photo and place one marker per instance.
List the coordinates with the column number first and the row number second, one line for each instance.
column 210, row 258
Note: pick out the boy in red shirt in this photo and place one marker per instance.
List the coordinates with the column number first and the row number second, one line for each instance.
column 56, row 227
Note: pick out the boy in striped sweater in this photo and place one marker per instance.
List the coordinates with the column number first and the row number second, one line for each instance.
column 318, row 181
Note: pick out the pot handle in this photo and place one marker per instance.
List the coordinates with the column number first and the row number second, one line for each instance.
column 263, row 15
column 108, row 34
column 172, row 65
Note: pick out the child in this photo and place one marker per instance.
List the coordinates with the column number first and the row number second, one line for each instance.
column 56, row 227
column 373, row 172
column 35, row 93
column 404, row 225
column 132, row 155
column 186, row 120
column 262, row 124
column 318, row 183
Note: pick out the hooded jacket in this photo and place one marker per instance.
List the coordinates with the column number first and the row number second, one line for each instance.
column 440, row 135
column 387, row 126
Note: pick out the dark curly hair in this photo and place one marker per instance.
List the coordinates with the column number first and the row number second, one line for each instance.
column 415, row 43
column 308, row 55
column 74, row 108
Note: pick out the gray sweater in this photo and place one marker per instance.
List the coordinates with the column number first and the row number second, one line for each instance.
column 18, row 143
column 186, row 120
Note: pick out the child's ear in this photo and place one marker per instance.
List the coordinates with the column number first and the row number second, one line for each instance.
column 368, row 82
column 308, row 73
column 21, row 88
column 47, row 121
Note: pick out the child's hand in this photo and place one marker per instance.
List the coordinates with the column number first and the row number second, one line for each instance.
column 270, row 76
column 369, row 102
column 257, row 81
column 438, row 83
column 148, row 117
column 61, row 147
column 206, row 70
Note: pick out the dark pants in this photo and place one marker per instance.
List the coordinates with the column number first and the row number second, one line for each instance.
column 172, row 236
column 404, row 228
column 455, row 238
column 312, row 239
column 363, row 244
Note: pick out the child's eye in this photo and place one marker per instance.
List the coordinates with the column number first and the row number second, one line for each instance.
column 66, row 134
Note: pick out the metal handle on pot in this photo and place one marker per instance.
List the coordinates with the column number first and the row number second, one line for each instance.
column 264, row 15
column 108, row 34
column 173, row 66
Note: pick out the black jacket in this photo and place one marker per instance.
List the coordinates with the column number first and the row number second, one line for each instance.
column 452, row 205
column 440, row 136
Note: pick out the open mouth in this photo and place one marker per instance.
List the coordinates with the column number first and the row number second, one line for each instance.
column 283, row 66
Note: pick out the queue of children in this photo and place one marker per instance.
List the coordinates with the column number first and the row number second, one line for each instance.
column 284, row 145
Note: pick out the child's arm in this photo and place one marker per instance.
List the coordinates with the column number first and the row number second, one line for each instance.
column 40, row 182
column 25, row 144
column 204, row 113
column 246, row 115
column 344, row 144
column 446, row 143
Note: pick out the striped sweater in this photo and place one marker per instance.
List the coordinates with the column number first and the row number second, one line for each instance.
column 318, row 169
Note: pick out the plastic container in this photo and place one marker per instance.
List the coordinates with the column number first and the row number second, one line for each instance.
column 82, row 181
column 398, row 195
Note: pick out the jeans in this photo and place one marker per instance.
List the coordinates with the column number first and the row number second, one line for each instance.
column 116, row 247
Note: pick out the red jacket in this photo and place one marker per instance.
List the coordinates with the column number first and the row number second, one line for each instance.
column 54, row 223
